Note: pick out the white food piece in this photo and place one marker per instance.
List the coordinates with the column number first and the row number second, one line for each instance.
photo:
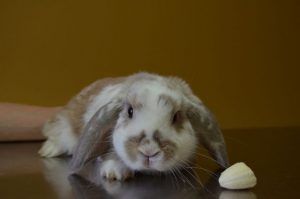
column 238, row 176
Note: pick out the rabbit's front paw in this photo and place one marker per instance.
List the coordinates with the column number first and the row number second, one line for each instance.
column 113, row 170
column 50, row 149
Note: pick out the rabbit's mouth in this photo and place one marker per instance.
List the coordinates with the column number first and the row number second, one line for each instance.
column 150, row 161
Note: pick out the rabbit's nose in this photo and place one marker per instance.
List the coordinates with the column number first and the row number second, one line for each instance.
column 149, row 154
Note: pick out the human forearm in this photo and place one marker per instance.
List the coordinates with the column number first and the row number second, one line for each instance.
column 23, row 122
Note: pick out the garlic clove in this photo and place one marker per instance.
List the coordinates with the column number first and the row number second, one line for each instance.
column 238, row 176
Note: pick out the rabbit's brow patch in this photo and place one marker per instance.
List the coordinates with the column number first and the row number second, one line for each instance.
column 133, row 101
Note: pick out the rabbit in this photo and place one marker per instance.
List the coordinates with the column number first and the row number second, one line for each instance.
column 143, row 122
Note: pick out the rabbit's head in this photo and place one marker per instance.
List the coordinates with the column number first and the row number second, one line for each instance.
column 154, row 124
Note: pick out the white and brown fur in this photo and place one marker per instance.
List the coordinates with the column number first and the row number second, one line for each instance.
column 168, row 123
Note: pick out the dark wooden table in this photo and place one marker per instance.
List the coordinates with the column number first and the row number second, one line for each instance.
column 273, row 154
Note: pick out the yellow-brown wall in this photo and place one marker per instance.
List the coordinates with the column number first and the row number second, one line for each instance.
column 240, row 57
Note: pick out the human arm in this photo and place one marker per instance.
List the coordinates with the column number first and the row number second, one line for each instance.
column 23, row 122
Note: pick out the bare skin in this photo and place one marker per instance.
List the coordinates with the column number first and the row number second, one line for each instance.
column 23, row 122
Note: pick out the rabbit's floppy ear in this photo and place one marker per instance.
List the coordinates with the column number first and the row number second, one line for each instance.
column 209, row 133
column 93, row 141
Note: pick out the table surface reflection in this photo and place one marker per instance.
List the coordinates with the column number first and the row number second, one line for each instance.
column 272, row 153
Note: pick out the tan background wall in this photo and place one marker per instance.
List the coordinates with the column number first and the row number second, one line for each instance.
column 240, row 57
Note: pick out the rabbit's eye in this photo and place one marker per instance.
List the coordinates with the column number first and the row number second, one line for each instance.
column 130, row 112
column 175, row 117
